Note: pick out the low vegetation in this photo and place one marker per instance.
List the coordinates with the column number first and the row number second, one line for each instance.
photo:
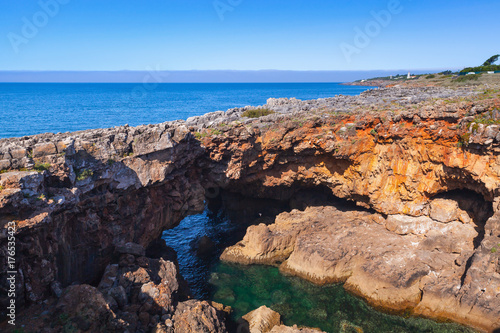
column 490, row 68
column 256, row 113
column 487, row 118
column 84, row 174
column 207, row 133
column 463, row 141
column 468, row 78
column 487, row 66
column 41, row 167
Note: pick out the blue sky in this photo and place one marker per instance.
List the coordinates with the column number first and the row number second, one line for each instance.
column 253, row 34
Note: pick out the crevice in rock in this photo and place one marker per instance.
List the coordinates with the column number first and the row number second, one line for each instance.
column 321, row 195
column 468, row 264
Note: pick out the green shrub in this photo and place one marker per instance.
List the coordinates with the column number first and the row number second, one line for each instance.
column 86, row 173
column 40, row 167
column 481, row 69
column 215, row 132
column 1, row 188
column 467, row 78
column 256, row 113
column 463, row 141
column 430, row 76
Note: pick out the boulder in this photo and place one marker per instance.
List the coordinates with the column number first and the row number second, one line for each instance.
column 295, row 329
column 131, row 248
column 444, row 210
column 84, row 308
column 404, row 224
column 198, row 317
column 262, row 320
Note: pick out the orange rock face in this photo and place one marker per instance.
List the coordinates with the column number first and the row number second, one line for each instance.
column 428, row 168
column 392, row 163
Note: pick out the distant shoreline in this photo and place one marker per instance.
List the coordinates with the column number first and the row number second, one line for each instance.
column 195, row 76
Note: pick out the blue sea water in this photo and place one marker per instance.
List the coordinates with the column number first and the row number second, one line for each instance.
column 33, row 108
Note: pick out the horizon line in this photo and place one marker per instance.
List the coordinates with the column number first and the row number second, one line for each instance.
column 224, row 70
column 152, row 76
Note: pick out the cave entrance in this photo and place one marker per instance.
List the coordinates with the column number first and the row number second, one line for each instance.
column 200, row 239
column 476, row 206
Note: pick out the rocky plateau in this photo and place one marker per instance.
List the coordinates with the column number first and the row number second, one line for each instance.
column 420, row 166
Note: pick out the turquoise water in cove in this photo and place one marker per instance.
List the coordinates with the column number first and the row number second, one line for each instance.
column 246, row 288
column 33, row 108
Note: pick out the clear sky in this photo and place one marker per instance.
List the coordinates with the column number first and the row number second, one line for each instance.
column 246, row 34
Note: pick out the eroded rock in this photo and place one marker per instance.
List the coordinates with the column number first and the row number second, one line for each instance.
column 260, row 320
column 198, row 317
column 404, row 263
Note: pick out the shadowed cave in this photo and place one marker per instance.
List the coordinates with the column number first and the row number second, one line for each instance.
column 224, row 222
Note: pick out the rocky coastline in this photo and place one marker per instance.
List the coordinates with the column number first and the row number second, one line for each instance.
column 420, row 163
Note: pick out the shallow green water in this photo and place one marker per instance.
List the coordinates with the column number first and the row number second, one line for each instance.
column 246, row 288
column 329, row 308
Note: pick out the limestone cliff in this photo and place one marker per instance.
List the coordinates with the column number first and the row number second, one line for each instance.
column 77, row 197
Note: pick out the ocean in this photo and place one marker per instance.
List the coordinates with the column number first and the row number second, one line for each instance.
column 33, row 108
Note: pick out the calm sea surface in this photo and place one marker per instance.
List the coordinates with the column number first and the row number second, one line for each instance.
column 32, row 108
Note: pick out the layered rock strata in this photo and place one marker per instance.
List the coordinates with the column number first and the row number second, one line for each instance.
column 77, row 197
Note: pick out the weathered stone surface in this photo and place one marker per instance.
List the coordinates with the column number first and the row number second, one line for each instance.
column 391, row 264
column 294, row 329
column 198, row 317
column 131, row 248
column 443, row 210
column 17, row 152
column 44, row 149
column 119, row 295
column 262, row 320
column 85, row 309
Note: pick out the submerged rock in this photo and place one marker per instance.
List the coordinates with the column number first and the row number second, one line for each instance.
column 294, row 329
column 205, row 246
